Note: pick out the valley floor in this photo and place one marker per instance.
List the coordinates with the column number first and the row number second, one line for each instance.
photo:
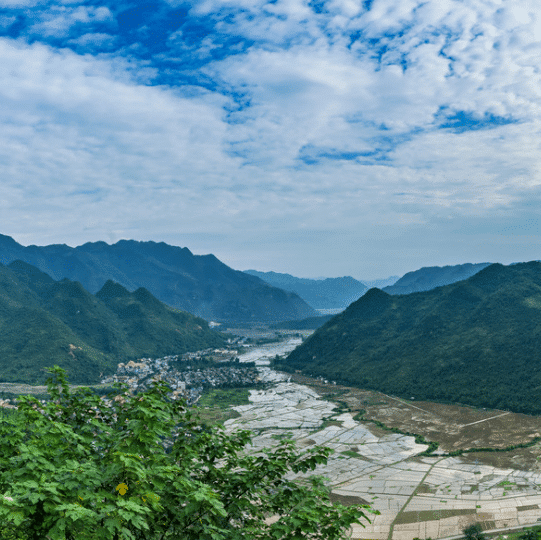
column 423, row 497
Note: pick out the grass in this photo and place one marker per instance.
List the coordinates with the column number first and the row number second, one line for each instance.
column 347, row 500
column 224, row 397
column 430, row 515
column 216, row 415
column 351, row 453
column 515, row 535
column 214, row 406
column 330, row 422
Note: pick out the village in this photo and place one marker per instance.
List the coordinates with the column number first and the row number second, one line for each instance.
column 188, row 374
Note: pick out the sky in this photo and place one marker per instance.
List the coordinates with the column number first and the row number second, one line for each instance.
column 320, row 138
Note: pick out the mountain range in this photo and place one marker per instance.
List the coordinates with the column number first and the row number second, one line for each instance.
column 424, row 279
column 476, row 342
column 430, row 277
column 199, row 284
column 45, row 322
column 338, row 293
column 329, row 293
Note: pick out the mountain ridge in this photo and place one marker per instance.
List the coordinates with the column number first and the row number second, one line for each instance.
column 325, row 293
column 45, row 322
column 430, row 277
column 476, row 342
column 199, row 284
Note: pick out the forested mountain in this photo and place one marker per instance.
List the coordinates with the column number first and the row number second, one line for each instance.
column 319, row 293
column 45, row 322
column 475, row 342
column 199, row 284
column 428, row 278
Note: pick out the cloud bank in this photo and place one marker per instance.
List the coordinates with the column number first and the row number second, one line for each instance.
column 319, row 138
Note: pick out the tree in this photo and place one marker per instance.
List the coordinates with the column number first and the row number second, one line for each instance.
column 530, row 534
column 140, row 467
column 473, row 532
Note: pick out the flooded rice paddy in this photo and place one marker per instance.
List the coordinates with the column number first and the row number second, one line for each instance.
column 417, row 496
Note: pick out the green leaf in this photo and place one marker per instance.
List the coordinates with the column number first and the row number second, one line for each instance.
column 206, row 485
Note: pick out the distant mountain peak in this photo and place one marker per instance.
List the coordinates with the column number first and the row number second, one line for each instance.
column 327, row 293
column 112, row 289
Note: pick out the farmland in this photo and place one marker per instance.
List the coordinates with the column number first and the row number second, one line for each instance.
column 434, row 495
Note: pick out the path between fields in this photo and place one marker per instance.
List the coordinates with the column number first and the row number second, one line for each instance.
column 391, row 528
column 406, row 403
column 486, row 419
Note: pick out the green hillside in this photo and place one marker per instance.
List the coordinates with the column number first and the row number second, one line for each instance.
column 199, row 284
column 475, row 342
column 428, row 278
column 45, row 322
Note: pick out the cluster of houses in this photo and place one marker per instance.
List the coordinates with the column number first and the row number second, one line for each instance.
column 186, row 383
column 220, row 376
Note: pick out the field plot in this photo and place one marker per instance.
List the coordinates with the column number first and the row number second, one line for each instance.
column 454, row 427
column 17, row 389
column 417, row 496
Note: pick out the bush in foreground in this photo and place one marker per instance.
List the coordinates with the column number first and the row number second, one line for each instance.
column 142, row 468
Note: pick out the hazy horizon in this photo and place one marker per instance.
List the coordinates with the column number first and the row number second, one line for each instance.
column 396, row 275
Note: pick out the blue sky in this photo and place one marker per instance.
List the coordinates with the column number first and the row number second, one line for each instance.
column 320, row 138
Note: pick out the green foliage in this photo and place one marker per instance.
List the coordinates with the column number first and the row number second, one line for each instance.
column 473, row 532
column 533, row 442
column 530, row 534
column 141, row 468
column 44, row 321
column 474, row 342
column 224, row 397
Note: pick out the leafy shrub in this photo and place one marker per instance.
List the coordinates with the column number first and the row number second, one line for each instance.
column 138, row 467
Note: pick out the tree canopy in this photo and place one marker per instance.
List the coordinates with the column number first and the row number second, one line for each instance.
column 141, row 467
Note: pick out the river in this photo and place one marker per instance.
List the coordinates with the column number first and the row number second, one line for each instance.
column 262, row 354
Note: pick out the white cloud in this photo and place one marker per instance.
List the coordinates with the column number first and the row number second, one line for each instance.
column 94, row 40
column 70, row 125
column 58, row 20
column 337, row 143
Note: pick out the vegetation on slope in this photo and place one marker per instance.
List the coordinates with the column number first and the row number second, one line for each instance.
column 199, row 284
column 428, row 278
column 475, row 342
column 44, row 321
